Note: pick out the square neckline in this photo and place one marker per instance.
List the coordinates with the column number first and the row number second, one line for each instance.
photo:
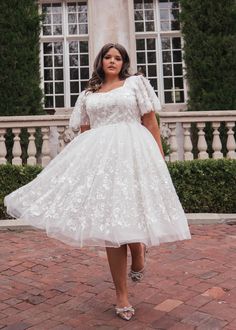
column 122, row 86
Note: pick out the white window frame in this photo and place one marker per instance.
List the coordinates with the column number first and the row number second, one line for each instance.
column 65, row 38
column 157, row 35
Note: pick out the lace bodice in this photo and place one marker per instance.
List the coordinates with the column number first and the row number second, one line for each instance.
column 123, row 104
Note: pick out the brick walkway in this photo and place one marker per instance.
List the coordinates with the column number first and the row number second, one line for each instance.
column 45, row 284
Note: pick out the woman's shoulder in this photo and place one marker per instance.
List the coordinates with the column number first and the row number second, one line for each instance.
column 137, row 79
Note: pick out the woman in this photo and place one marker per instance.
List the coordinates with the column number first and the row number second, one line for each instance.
column 110, row 186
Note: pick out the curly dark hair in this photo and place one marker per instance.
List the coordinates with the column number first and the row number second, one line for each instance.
column 98, row 75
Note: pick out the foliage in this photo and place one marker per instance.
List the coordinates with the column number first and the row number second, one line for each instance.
column 209, row 29
column 205, row 185
column 13, row 177
column 20, row 92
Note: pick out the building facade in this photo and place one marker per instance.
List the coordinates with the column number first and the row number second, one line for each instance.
column 74, row 31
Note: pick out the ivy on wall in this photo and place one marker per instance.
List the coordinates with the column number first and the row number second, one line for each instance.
column 209, row 30
column 20, row 92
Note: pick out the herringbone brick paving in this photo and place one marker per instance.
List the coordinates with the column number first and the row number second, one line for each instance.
column 188, row 285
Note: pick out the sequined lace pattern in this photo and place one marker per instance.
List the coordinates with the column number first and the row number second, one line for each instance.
column 110, row 185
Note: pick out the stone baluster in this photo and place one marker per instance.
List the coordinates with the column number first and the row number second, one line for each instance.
column 173, row 142
column 188, row 146
column 231, row 144
column 61, row 130
column 16, row 151
column 3, row 149
column 45, row 147
column 31, row 147
column 202, row 145
column 216, row 143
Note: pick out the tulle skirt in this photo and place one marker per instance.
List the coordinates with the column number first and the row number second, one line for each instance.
column 109, row 186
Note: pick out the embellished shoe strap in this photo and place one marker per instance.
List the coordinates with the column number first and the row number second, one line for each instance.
column 124, row 309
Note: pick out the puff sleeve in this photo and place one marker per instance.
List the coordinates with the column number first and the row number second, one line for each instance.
column 79, row 114
column 146, row 96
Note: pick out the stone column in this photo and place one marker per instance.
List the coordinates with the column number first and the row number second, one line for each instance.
column 111, row 21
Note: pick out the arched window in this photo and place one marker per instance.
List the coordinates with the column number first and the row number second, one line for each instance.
column 159, row 47
column 64, row 51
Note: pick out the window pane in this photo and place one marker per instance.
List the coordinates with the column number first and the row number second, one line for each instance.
column 47, row 61
column 179, row 96
column 179, row 83
column 58, row 74
column 178, row 70
column 84, row 60
column 58, row 60
column 166, row 57
column 47, row 31
column 169, row 97
column 168, row 83
column 59, row 87
column 83, row 46
column 47, row 48
column 165, row 43
column 149, row 15
column 59, row 101
column 74, row 74
column 152, row 71
column 72, row 18
column 138, row 15
column 74, row 87
column 48, row 100
column 72, row 29
column 57, row 29
column 141, row 57
column 176, row 43
column 138, row 4
column 177, row 56
column 73, row 60
column 84, row 73
column 48, row 88
column 48, row 75
column 167, row 70
column 151, row 57
column 57, row 19
column 151, row 44
column 73, row 47
column 139, row 27
column 150, row 26
column 140, row 44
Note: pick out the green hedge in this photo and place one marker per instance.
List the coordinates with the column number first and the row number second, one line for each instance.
column 204, row 186
column 20, row 92
column 13, row 177
column 209, row 30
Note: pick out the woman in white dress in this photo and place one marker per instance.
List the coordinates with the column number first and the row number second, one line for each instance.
column 110, row 185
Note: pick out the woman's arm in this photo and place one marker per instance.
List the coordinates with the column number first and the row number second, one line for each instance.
column 150, row 122
column 84, row 128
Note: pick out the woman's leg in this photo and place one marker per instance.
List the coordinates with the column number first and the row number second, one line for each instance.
column 117, row 258
column 137, row 253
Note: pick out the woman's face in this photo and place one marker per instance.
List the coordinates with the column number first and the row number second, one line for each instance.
column 112, row 62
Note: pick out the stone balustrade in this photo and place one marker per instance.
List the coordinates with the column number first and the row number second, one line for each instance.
column 180, row 125
column 175, row 126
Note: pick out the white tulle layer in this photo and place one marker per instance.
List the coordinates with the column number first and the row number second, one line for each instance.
column 108, row 187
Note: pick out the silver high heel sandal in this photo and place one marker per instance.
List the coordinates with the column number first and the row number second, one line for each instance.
column 138, row 276
column 125, row 313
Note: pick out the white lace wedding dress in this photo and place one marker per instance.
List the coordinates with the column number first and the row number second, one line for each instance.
column 110, row 185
